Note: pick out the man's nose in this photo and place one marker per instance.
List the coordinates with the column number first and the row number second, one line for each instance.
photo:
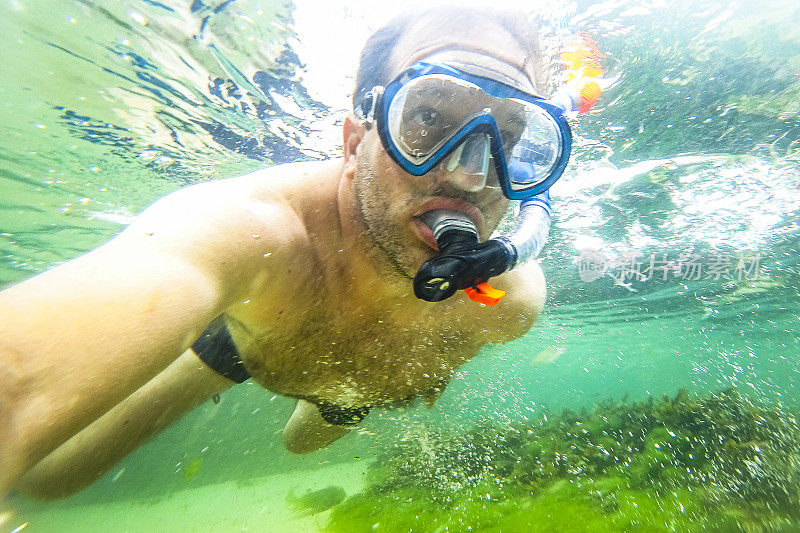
column 466, row 168
column 461, row 178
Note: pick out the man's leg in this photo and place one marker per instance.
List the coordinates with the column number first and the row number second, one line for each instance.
column 80, row 461
column 306, row 431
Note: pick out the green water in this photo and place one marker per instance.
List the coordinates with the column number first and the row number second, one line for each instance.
column 693, row 150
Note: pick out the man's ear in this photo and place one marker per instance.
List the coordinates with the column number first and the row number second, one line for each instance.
column 352, row 135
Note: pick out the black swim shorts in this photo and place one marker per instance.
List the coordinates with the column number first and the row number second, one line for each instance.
column 216, row 348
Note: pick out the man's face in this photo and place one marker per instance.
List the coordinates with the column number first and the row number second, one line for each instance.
column 389, row 200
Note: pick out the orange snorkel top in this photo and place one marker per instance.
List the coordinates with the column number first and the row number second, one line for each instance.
column 581, row 57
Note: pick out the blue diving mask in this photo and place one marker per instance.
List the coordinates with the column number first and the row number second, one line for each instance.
column 499, row 134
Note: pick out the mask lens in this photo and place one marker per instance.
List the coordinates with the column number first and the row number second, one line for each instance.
column 429, row 110
column 533, row 154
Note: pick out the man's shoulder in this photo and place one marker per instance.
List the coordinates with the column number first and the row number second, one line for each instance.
column 265, row 199
column 529, row 287
column 242, row 226
column 268, row 184
column 523, row 303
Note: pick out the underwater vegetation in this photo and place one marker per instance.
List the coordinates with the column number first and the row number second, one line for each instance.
column 683, row 89
column 714, row 463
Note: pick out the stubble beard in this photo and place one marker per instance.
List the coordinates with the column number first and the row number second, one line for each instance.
column 389, row 252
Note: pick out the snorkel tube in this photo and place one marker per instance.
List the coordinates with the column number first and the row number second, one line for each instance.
column 465, row 263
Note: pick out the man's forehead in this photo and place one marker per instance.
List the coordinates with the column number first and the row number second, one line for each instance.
column 479, row 64
column 490, row 51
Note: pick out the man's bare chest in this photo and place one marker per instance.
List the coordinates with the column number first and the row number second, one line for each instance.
column 352, row 359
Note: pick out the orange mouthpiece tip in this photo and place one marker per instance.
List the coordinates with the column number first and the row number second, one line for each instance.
column 589, row 96
column 484, row 294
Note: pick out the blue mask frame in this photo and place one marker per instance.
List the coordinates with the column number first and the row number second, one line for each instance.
column 486, row 123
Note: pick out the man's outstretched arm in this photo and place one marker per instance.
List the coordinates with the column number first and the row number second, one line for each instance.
column 78, row 339
column 84, row 458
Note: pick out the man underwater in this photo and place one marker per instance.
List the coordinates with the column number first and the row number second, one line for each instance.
column 303, row 276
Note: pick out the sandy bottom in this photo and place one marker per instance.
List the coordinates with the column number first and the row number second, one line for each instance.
column 258, row 505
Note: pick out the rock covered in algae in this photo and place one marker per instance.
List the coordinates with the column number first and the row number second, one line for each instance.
column 714, row 463
column 316, row 501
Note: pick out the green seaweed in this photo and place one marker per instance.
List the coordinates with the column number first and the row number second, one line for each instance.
column 192, row 468
column 316, row 501
column 714, row 463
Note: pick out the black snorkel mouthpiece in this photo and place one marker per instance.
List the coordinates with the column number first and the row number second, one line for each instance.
column 463, row 261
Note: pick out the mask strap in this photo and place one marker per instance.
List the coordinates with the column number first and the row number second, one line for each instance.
column 366, row 110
